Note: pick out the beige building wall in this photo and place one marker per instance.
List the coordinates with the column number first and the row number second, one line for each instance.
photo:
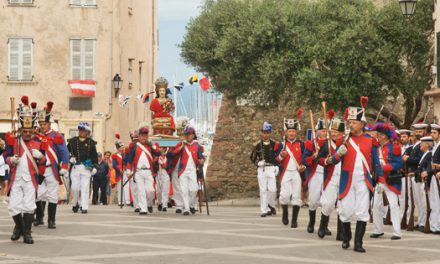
column 434, row 92
column 126, row 43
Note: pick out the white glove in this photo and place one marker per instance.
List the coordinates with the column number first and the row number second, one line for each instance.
column 15, row 160
column 128, row 172
column 328, row 161
column 72, row 160
column 64, row 173
column 380, row 188
column 261, row 163
column 342, row 150
column 94, row 171
column 36, row 154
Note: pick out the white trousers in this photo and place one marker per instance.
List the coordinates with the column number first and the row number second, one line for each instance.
column 356, row 202
column 134, row 192
column 329, row 196
column 290, row 188
column 378, row 213
column 22, row 198
column 145, row 189
column 434, row 202
column 125, row 191
column 419, row 201
column 80, row 185
column 177, row 189
column 164, row 183
column 188, row 183
column 48, row 189
column 315, row 187
column 268, row 187
column 402, row 198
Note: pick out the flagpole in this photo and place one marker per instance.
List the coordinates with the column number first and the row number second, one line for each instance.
column 175, row 96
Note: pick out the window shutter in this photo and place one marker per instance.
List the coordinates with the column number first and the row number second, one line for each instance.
column 27, row 1
column 89, row 59
column 27, row 59
column 14, row 1
column 75, row 59
column 75, row 2
column 14, row 59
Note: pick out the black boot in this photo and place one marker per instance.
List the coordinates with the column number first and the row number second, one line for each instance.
column 27, row 237
column 339, row 234
column 159, row 207
column 18, row 229
column 272, row 210
column 38, row 213
column 312, row 218
column 285, row 218
column 75, row 208
column 43, row 208
column 323, row 225
column 52, row 210
column 295, row 211
column 346, row 235
column 359, row 235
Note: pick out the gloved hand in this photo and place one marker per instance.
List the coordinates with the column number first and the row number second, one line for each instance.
column 94, row 171
column 342, row 150
column 328, row 161
column 15, row 160
column 72, row 160
column 380, row 188
column 128, row 173
column 37, row 154
column 64, row 173
column 261, row 163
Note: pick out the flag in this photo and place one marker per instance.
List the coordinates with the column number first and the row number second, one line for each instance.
column 145, row 97
column 83, row 87
column 193, row 79
column 205, row 84
column 123, row 99
column 179, row 86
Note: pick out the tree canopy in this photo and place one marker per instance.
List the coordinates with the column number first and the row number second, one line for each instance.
column 275, row 52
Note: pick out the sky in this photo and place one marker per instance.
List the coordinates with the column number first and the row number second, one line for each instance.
column 173, row 16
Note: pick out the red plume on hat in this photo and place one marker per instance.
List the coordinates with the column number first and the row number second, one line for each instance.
column 118, row 136
column 25, row 100
column 299, row 113
column 49, row 106
column 331, row 114
column 364, row 101
column 346, row 114
column 33, row 105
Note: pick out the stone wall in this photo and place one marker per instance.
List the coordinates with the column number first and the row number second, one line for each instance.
column 231, row 174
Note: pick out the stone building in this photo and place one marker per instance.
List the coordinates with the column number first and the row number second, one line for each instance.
column 45, row 44
column 434, row 92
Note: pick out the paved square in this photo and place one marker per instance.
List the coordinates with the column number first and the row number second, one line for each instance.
column 109, row 234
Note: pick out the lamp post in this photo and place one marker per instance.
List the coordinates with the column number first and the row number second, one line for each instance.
column 408, row 7
column 117, row 84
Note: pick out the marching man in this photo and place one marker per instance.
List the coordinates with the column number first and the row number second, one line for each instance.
column 314, row 172
column 121, row 177
column 57, row 163
column 290, row 178
column 134, row 136
column 191, row 158
column 406, row 147
column 433, row 182
column 140, row 164
column 174, row 164
column 24, row 154
column 359, row 159
column 264, row 157
column 84, row 160
column 332, row 174
column 391, row 161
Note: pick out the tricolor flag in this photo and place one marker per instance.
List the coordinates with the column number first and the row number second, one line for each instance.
column 83, row 87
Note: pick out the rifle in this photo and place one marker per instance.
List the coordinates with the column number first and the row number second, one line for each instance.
column 427, row 228
column 386, row 203
column 312, row 125
column 378, row 114
column 200, row 175
column 372, row 202
column 403, row 223
column 324, row 110
column 410, row 226
column 199, row 195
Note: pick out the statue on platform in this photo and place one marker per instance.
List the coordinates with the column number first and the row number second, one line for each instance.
column 162, row 107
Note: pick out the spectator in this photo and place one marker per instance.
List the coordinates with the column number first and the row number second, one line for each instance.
column 108, row 159
column 100, row 181
column 4, row 174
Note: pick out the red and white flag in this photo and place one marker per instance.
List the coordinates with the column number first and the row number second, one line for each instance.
column 83, row 87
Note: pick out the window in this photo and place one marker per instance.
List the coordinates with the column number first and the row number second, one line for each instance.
column 20, row 59
column 12, row 2
column 83, row 2
column 82, row 59
column 80, row 104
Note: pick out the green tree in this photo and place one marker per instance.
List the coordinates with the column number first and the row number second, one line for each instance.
column 278, row 51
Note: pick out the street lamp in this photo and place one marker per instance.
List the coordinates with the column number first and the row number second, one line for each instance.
column 408, row 7
column 117, row 84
